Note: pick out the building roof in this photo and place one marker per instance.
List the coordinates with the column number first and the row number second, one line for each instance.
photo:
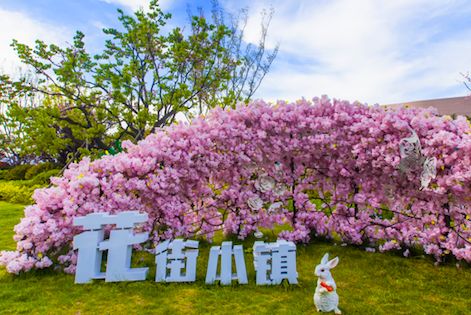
column 445, row 106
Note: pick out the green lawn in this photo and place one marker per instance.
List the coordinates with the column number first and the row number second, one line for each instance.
column 368, row 283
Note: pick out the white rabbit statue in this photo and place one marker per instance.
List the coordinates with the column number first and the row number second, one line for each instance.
column 325, row 297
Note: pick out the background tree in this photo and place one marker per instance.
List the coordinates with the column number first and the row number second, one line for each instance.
column 38, row 126
column 12, row 124
column 252, row 62
column 8, row 128
column 141, row 80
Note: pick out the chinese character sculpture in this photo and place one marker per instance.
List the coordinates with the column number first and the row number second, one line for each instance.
column 91, row 244
column 174, row 257
column 325, row 297
column 226, row 251
column 275, row 262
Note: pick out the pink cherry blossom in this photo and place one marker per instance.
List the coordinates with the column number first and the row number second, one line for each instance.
column 328, row 167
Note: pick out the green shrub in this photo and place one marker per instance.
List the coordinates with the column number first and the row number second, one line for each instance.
column 3, row 173
column 13, row 193
column 44, row 177
column 39, row 168
column 17, row 172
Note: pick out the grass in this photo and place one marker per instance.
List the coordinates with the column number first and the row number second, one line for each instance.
column 368, row 283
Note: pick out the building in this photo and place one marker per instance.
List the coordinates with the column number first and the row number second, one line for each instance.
column 446, row 106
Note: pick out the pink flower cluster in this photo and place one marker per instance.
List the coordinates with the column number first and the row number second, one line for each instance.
column 322, row 168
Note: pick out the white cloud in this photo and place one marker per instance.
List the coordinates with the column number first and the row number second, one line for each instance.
column 20, row 26
column 372, row 51
column 135, row 5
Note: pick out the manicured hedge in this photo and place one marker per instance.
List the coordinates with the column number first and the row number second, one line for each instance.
column 15, row 193
column 17, row 172
column 44, row 177
column 39, row 168
column 3, row 173
column 21, row 191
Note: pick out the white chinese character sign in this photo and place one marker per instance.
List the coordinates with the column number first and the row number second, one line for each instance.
column 226, row 251
column 275, row 262
column 89, row 255
column 91, row 244
column 176, row 260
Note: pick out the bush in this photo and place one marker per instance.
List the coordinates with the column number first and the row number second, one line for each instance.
column 39, row 168
column 17, row 172
column 4, row 165
column 3, row 173
column 13, row 193
column 44, row 177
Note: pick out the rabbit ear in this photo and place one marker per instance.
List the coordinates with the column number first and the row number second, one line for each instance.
column 325, row 259
column 333, row 262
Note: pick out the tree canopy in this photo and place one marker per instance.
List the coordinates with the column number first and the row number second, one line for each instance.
column 138, row 83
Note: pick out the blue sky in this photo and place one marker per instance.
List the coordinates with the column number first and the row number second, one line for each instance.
column 373, row 51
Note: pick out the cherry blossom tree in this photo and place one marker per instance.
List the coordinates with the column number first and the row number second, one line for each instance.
column 325, row 168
